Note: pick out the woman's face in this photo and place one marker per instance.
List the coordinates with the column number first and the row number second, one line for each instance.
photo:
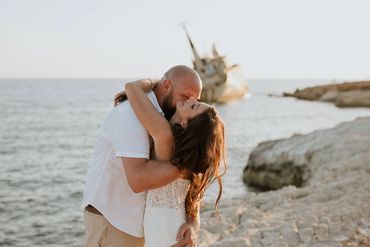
column 188, row 109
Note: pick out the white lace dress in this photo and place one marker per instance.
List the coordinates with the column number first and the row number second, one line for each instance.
column 165, row 213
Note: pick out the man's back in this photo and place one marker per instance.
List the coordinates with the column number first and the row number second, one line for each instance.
column 107, row 189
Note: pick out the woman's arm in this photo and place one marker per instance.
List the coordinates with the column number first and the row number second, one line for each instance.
column 157, row 126
column 122, row 96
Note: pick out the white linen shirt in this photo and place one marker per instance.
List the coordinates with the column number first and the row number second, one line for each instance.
column 107, row 189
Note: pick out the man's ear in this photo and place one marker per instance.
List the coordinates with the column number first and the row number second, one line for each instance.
column 167, row 84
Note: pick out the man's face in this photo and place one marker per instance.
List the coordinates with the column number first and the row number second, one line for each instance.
column 168, row 108
column 181, row 91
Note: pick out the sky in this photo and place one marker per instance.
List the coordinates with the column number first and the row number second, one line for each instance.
column 121, row 38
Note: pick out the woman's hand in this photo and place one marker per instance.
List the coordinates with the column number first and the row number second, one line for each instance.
column 120, row 97
column 145, row 84
column 187, row 235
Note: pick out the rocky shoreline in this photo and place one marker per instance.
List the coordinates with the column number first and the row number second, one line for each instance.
column 322, row 197
column 347, row 94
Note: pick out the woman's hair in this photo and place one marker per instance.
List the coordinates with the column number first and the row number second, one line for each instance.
column 200, row 148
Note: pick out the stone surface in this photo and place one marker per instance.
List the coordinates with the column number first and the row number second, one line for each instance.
column 347, row 94
column 353, row 98
column 309, row 159
column 331, row 209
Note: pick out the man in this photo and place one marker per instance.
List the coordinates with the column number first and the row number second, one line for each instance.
column 114, row 209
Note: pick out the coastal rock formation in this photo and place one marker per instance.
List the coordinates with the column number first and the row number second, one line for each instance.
column 274, row 164
column 353, row 98
column 347, row 94
column 331, row 208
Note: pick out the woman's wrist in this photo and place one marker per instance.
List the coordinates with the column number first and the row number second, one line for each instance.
column 153, row 83
column 146, row 85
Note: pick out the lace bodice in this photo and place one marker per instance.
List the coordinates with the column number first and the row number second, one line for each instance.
column 172, row 195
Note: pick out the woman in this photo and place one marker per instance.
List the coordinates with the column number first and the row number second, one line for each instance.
column 198, row 149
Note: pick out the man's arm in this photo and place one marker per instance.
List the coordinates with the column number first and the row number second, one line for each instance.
column 143, row 174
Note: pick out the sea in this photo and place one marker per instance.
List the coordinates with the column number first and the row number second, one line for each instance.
column 48, row 129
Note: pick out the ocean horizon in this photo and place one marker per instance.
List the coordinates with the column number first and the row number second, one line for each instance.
column 48, row 130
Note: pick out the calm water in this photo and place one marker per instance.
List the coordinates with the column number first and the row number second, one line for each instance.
column 47, row 133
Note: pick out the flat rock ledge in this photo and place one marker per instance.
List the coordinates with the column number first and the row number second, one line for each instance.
column 347, row 94
column 331, row 208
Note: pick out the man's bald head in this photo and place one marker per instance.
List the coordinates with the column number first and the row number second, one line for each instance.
column 179, row 83
column 183, row 74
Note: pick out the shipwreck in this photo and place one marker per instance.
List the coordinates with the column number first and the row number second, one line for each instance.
column 221, row 82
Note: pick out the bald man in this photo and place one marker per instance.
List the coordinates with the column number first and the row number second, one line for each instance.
column 114, row 210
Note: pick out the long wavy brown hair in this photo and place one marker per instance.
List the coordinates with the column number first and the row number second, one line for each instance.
column 200, row 148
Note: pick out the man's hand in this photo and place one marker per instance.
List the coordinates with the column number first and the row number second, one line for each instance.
column 187, row 235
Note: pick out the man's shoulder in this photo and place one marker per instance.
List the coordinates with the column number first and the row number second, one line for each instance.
column 125, row 108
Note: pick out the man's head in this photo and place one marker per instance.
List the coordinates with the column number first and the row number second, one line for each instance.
column 179, row 83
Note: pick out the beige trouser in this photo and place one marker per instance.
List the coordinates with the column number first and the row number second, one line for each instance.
column 100, row 233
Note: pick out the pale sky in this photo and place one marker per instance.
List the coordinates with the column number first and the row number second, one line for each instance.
column 120, row 38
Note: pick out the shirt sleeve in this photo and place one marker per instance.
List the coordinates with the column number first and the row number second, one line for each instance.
column 128, row 135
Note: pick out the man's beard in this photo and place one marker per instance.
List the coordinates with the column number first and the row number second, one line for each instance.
column 167, row 108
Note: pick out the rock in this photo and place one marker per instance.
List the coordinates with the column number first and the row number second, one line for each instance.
column 306, row 235
column 291, row 161
column 290, row 235
column 233, row 243
column 331, row 208
column 206, row 238
column 269, row 169
column 347, row 94
column 353, row 98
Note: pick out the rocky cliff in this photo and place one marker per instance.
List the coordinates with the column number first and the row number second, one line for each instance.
column 321, row 193
column 347, row 94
